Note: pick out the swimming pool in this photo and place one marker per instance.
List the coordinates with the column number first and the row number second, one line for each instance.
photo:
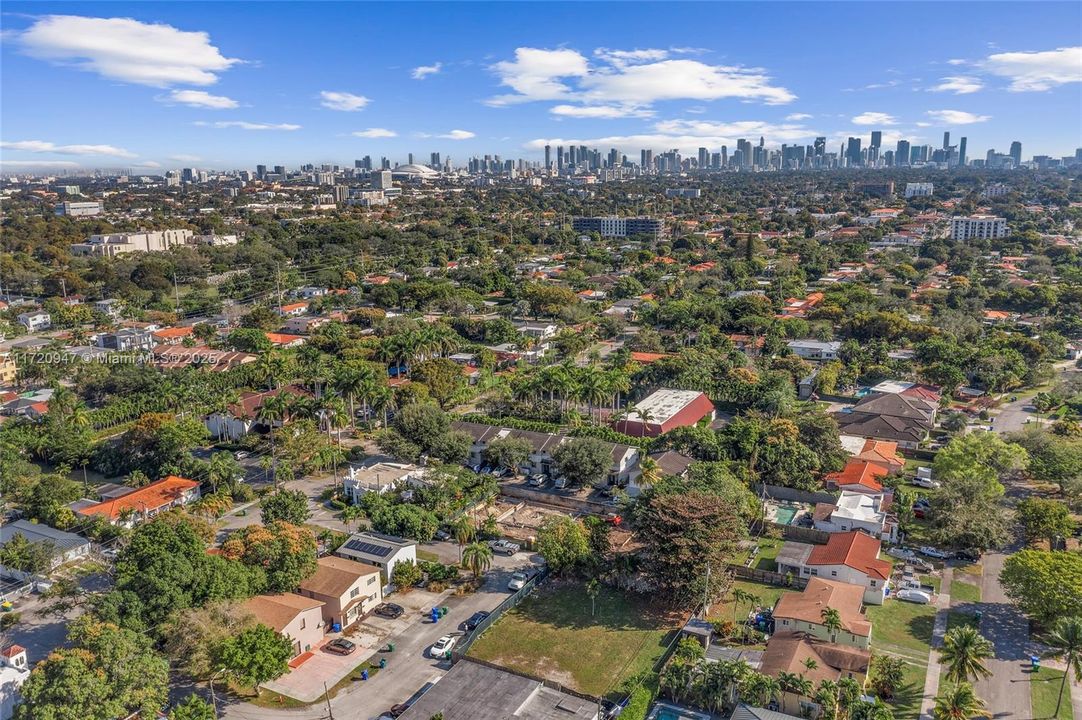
column 784, row 514
column 664, row 711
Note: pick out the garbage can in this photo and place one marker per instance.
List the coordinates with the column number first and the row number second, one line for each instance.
column 364, row 674
column 390, row 647
column 443, row 610
column 1035, row 662
column 382, row 663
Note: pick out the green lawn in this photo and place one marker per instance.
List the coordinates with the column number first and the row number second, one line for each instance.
column 958, row 618
column 552, row 634
column 768, row 554
column 904, row 626
column 1044, row 689
column 906, row 702
column 965, row 592
column 768, row 597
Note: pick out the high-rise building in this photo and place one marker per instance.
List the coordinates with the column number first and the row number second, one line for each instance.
column 852, row 152
column 877, row 138
column 744, row 148
column 548, row 156
column 434, row 161
column 820, row 146
column 978, row 227
column 260, row 171
column 947, row 140
column 1016, row 153
column 381, row 180
column 704, row 158
column 724, row 156
column 280, row 170
column 962, row 152
column 901, row 154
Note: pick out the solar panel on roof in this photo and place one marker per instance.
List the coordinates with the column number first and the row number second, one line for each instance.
column 368, row 548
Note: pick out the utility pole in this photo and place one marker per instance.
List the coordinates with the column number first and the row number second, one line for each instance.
column 327, row 697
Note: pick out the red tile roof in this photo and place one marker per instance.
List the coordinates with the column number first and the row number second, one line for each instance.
column 859, row 472
column 852, row 549
column 148, row 498
column 12, row 650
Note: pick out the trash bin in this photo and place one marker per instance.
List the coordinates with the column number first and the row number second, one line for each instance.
column 382, row 663
column 443, row 610
column 364, row 674
column 1035, row 662
column 336, row 627
column 390, row 647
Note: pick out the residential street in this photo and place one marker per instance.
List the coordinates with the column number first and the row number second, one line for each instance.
column 1013, row 415
column 1007, row 691
column 409, row 668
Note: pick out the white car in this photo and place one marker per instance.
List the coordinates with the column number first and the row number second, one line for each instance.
column 441, row 647
column 901, row 553
column 914, row 596
column 929, row 551
column 560, row 483
column 927, row 483
column 537, row 480
column 503, row 547
column 518, row 580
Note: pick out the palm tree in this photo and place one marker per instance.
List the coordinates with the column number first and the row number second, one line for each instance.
column 826, row 697
column 740, row 597
column 273, row 410
column 223, row 471
column 478, row 558
column 758, row 690
column 957, row 702
column 1065, row 643
column 649, row 472
column 593, row 589
column 832, row 621
column 964, row 652
column 464, row 532
column 351, row 514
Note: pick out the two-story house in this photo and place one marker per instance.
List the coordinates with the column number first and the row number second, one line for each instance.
column 296, row 617
column 348, row 589
column 804, row 612
column 851, row 557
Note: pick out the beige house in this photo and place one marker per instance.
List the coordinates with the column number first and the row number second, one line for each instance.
column 348, row 590
column 296, row 617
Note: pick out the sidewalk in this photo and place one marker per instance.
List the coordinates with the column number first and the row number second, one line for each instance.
column 931, row 677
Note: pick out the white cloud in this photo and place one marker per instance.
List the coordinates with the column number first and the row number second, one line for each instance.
column 344, row 101
column 956, row 117
column 875, row 118
column 244, row 125
column 42, row 146
column 185, row 158
column 956, row 61
column 200, row 99
column 959, row 85
column 375, row 133
column 796, row 117
column 1036, row 71
column 921, row 123
column 148, row 164
column 420, row 73
column 457, row 135
column 536, row 74
column 628, row 77
column 124, row 49
column 689, row 135
column 606, row 112
column 43, row 164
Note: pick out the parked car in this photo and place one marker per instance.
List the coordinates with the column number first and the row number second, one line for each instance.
column 919, row 511
column 914, row 596
column 441, row 647
column 560, row 483
column 537, row 480
column 398, row 710
column 929, row 551
column 474, row 620
column 442, row 535
column 240, row 454
column 503, row 547
column 518, row 580
column 969, row 555
column 927, row 483
column 389, row 610
column 340, row 646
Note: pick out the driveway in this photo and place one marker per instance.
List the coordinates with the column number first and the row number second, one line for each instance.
column 409, row 669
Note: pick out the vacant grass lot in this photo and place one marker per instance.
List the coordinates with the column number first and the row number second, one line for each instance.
column 903, row 628
column 1044, row 689
column 552, row 634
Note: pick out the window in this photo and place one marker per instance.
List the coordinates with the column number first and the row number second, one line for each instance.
column 815, row 571
column 303, row 623
column 873, row 583
column 834, row 573
column 354, row 592
column 371, row 579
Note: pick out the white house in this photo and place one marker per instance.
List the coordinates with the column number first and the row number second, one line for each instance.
column 65, row 546
column 14, row 669
column 851, row 557
column 383, row 551
column 35, row 321
column 815, row 349
column 866, row 511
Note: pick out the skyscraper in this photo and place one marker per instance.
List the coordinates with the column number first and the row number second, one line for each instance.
column 877, row 138
column 548, row 156
column 946, row 140
column 820, row 146
column 901, row 154
column 852, row 152
column 1016, row 153
column 704, row 158
column 962, row 152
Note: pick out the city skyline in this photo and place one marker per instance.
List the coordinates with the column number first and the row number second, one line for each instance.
column 179, row 85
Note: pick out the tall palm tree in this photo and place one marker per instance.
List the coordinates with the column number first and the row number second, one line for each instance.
column 649, row 472
column 464, row 532
column 758, row 690
column 964, row 652
column 739, row 598
column 1065, row 643
column 478, row 558
column 957, row 702
column 832, row 621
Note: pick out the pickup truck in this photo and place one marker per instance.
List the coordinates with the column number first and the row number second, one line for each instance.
column 503, row 547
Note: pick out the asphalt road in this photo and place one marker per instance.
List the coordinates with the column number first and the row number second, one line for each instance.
column 1006, row 692
column 409, row 668
column 1013, row 416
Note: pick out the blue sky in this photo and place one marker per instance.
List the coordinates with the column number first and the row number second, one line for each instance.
column 233, row 84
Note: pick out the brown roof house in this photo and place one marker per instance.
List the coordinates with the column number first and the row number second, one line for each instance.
column 803, row 612
column 298, row 618
column 348, row 590
column 889, row 416
column 790, row 652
